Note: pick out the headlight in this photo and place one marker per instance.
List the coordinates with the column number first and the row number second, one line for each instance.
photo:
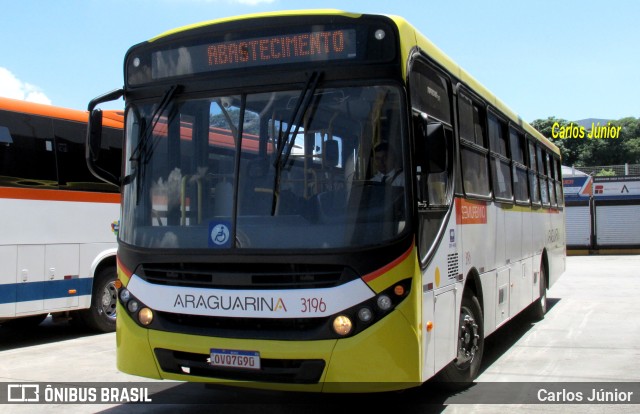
column 125, row 295
column 342, row 325
column 145, row 316
column 384, row 302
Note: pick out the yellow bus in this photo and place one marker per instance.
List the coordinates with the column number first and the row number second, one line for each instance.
column 323, row 201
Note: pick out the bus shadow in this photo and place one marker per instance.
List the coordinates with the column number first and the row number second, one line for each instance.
column 505, row 337
column 48, row 331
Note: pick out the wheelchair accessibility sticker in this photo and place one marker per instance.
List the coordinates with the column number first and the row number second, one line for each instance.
column 219, row 234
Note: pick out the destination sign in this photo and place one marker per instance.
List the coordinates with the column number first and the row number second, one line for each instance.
column 314, row 46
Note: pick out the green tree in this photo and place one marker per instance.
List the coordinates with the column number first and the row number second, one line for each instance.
column 594, row 152
column 570, row 149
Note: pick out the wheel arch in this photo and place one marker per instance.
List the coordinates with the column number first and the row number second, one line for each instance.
column 545, row 265
column 473, row 285
column 104, row 260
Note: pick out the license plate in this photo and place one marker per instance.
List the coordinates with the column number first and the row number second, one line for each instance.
column 231, row 358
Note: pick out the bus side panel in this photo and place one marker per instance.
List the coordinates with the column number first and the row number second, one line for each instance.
column 446, row 311
column 61, row 276
column 8, row 271
column 489, row 300
column 30, row 279
column 556, row 252
column 428, row 337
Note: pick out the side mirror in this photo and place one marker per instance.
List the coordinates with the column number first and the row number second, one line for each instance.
column 93, row 142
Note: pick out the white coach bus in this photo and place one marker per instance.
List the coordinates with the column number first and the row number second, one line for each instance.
column 57, row 241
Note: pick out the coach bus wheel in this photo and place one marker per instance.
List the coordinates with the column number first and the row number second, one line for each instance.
column 461, row 372
column 539, row 307
column 101, row 316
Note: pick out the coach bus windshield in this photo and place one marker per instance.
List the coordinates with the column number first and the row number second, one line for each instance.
column 293, row 169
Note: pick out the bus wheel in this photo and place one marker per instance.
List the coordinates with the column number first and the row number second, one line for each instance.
column 101, row 316
column 539, row 307
column 461, row 372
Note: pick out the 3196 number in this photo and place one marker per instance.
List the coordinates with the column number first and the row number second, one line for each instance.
column 313, row 305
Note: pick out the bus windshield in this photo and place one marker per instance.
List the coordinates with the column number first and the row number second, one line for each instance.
column 316, row 167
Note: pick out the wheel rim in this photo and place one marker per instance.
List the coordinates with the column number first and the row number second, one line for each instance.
column 467, row 339
column 109, row 299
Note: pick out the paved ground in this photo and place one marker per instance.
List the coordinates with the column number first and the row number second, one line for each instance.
column 589, row 336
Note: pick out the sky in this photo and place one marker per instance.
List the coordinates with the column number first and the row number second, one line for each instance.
column 572, row 59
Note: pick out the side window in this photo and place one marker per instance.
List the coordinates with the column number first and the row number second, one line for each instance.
column 534, row 184
column 27, row 156
column 518, row 157
column 544, row 182
column 559, row 194
column 552, row 177
column 73, row 173
column 430, row 92
column 473, row 148
column 500, row 166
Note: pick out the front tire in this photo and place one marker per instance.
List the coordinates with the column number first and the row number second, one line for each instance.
column 101, row 316
column 463, row 370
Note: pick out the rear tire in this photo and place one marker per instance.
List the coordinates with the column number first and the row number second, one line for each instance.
column 101, row 316
column 463, row 370
column 539, row 307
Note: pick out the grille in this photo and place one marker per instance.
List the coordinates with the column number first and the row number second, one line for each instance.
column 254, row 328
column 242, row 276
column 452, row 266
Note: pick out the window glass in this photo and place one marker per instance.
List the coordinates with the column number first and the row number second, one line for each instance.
column 520, row 185
column 27, row 153
column 517, row 146
column 501, row 178
column 248, row 172
column 471, row 125
column 430, row 92
column 497, row 136
column 73, row 173
column 475, row 173
column 534, row 185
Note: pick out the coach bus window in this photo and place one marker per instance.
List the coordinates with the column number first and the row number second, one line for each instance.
column 501, row 171
column 32, row 139
column 475, row 173
column 520, row 184
column 73, row 173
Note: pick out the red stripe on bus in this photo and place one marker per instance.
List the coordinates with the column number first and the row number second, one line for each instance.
column 373, row 275
column 59, row 195
column 123, row 268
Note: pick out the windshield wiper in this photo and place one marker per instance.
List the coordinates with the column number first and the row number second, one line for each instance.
column 285, row 146
column 143, row 151
column 146, row 133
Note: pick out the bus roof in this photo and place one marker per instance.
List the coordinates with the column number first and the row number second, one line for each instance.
column 113, row 118
column 408, row 31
